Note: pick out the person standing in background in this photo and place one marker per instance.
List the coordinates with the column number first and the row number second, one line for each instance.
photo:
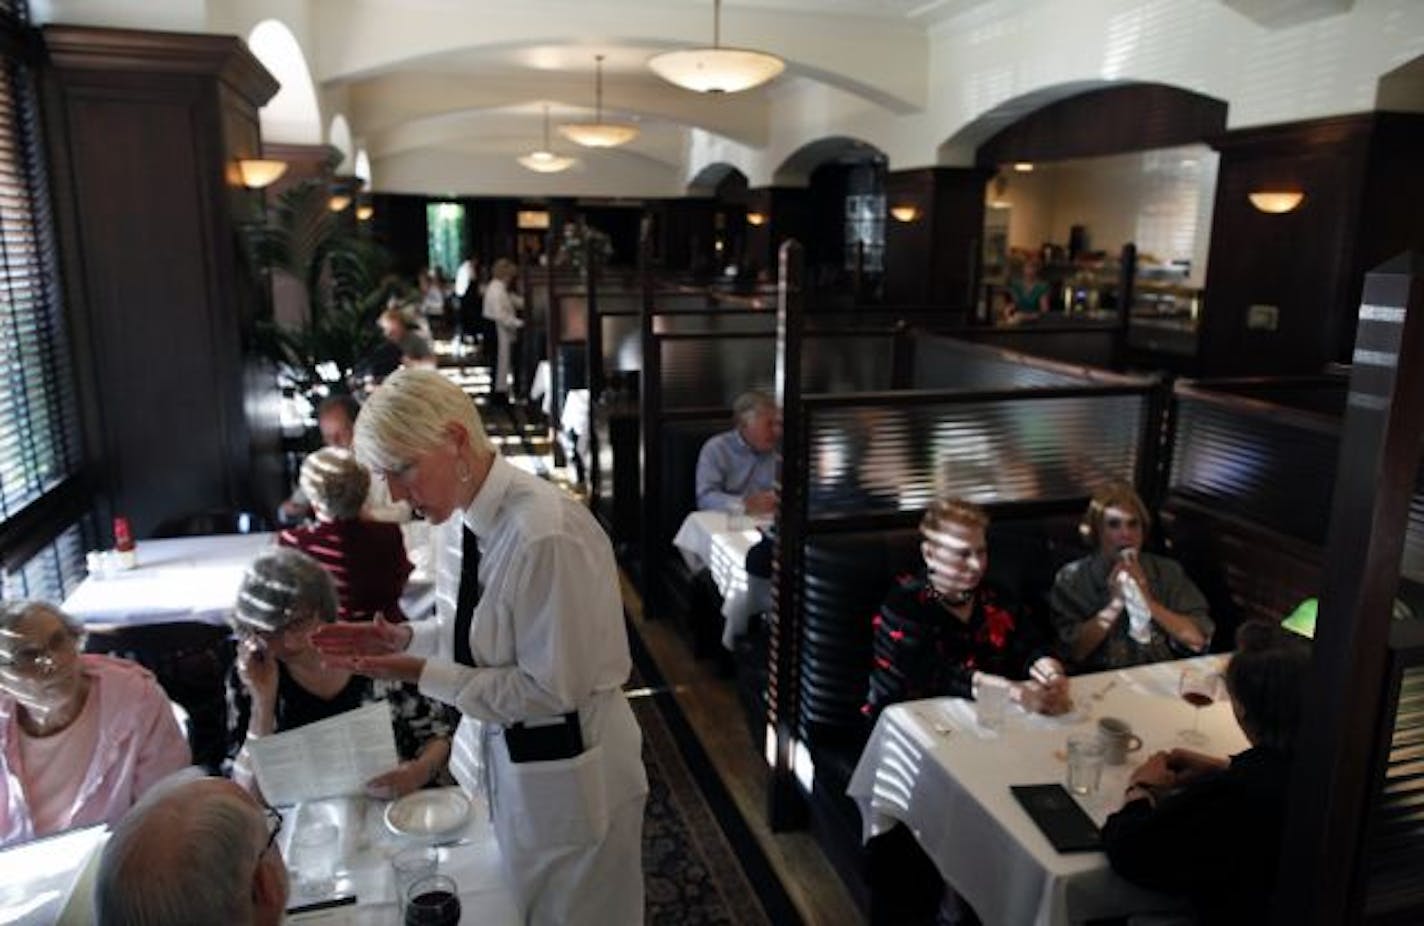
column 501, row 306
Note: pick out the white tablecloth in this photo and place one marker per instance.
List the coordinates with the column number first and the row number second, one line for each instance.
column 707, row 542
column 187, row 579
column 929, row 765
column 367, row 845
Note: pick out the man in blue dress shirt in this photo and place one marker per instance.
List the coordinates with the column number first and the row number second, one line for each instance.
column 740, row 465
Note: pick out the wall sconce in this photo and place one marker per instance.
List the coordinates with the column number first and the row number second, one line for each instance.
column 257, row 173
column 364, row 212
column 1023, row 167
column 757, row 219
column 906, row 213
column 338, row 202
column 1276, row 201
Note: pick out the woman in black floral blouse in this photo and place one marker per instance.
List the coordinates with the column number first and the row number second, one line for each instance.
column 940, row 632
column 282, row 682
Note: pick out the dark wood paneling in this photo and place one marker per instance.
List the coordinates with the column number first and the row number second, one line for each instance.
column 934, row 259
column 1113, row 120
column 1362, row 184
column 399, row 227
column 146, row 128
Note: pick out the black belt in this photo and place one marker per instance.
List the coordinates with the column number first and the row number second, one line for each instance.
column 545, row 741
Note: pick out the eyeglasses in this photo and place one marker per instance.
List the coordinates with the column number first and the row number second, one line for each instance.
column 274, row 826
column 30, row 658
column 1116, row 523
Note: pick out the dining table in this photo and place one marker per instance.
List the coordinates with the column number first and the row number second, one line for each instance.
column 49, row 880
column 190, row 579
column 718, row 542
column 468, row 854
column 931, row 766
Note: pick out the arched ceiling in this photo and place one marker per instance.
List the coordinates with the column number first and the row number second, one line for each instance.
column 464, row 79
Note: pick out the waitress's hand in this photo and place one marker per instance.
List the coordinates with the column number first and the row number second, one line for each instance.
column 348, row 638
column 394, row 668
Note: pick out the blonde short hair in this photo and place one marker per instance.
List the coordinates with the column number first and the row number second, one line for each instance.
column 408, row 416
column 335, row 482
column 1115, row 494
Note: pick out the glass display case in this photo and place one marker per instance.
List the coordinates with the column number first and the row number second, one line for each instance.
column 1166, row 311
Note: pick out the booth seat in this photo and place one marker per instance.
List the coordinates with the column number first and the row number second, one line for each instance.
column 847, row 576
column 691, row 599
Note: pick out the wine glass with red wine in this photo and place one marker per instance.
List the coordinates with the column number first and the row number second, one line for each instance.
column 1199, row 689
column 432, row 901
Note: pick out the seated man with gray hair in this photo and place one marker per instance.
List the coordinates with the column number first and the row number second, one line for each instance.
column 739, row 466
column 193, row 850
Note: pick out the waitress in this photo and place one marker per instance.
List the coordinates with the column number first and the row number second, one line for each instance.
column 1027, row 296
column 528, row 642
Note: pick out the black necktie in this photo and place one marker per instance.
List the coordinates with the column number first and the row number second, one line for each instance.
column 467, row 598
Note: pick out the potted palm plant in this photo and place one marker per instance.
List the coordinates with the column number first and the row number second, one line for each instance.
column 338, row 280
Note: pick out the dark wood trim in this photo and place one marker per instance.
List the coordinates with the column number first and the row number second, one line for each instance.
column 786, row 802
column 225, row 57
column 1109, row 120
column 912, row 397
column 593, row 370
column 1334, row 780
column 1200, row 391
column 32, row 528
column 650, row 406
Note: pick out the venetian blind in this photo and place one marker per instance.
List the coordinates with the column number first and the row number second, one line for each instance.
column 39, row 427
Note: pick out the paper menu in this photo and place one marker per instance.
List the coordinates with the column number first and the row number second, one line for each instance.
column 334, row 757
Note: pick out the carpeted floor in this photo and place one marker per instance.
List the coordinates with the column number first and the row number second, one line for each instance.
column 701, row 864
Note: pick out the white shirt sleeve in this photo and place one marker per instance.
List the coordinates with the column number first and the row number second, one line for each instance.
column 557, row 654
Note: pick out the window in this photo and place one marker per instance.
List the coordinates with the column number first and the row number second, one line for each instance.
column 41, row 495
column 445, row 235
column 865, row 224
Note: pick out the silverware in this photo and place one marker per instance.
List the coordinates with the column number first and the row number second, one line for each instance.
column 1102, row 692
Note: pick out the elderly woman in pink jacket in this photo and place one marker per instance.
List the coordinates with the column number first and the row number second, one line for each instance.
column 81, row 736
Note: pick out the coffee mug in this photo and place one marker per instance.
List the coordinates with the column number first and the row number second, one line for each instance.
column 1118, row 740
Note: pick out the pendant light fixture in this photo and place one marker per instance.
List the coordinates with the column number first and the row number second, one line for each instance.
column 545, row 161
column 599, row 134
column 716, row 69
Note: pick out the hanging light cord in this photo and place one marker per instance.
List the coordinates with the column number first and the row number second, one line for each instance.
column 716, row 23
column 598, row 88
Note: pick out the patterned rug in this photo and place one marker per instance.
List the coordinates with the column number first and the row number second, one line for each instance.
column 701, row 864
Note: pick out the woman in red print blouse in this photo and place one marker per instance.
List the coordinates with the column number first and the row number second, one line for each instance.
column 939, row 632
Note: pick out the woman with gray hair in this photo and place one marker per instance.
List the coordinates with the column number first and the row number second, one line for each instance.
column 365, row 558
column 82, row 737
column 283, row 683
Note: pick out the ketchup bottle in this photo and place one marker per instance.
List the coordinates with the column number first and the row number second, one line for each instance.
column 124, row 543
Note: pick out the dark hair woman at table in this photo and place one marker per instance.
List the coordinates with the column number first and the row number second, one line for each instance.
column 1087, row 603
column 82, row 737
column 1209, row 828
column 281, row 682
column 366, row 559
column 941, row 632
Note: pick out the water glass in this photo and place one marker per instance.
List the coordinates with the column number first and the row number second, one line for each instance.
column 1085, row 764
column 991, row 702
column 412, row 865
column 737, row 519
column 314, row 851
column 432, row 901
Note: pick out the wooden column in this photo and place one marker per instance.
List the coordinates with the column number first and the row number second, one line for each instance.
column 1337, row 774
column 786, row 805
column 933, row 258
column 1282, row 289
column 786, row 216
column 145, row 130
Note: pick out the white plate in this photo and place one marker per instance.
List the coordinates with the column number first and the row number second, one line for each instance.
column 428, row 813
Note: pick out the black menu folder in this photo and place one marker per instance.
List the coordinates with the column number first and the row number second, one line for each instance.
column 1059, row 817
